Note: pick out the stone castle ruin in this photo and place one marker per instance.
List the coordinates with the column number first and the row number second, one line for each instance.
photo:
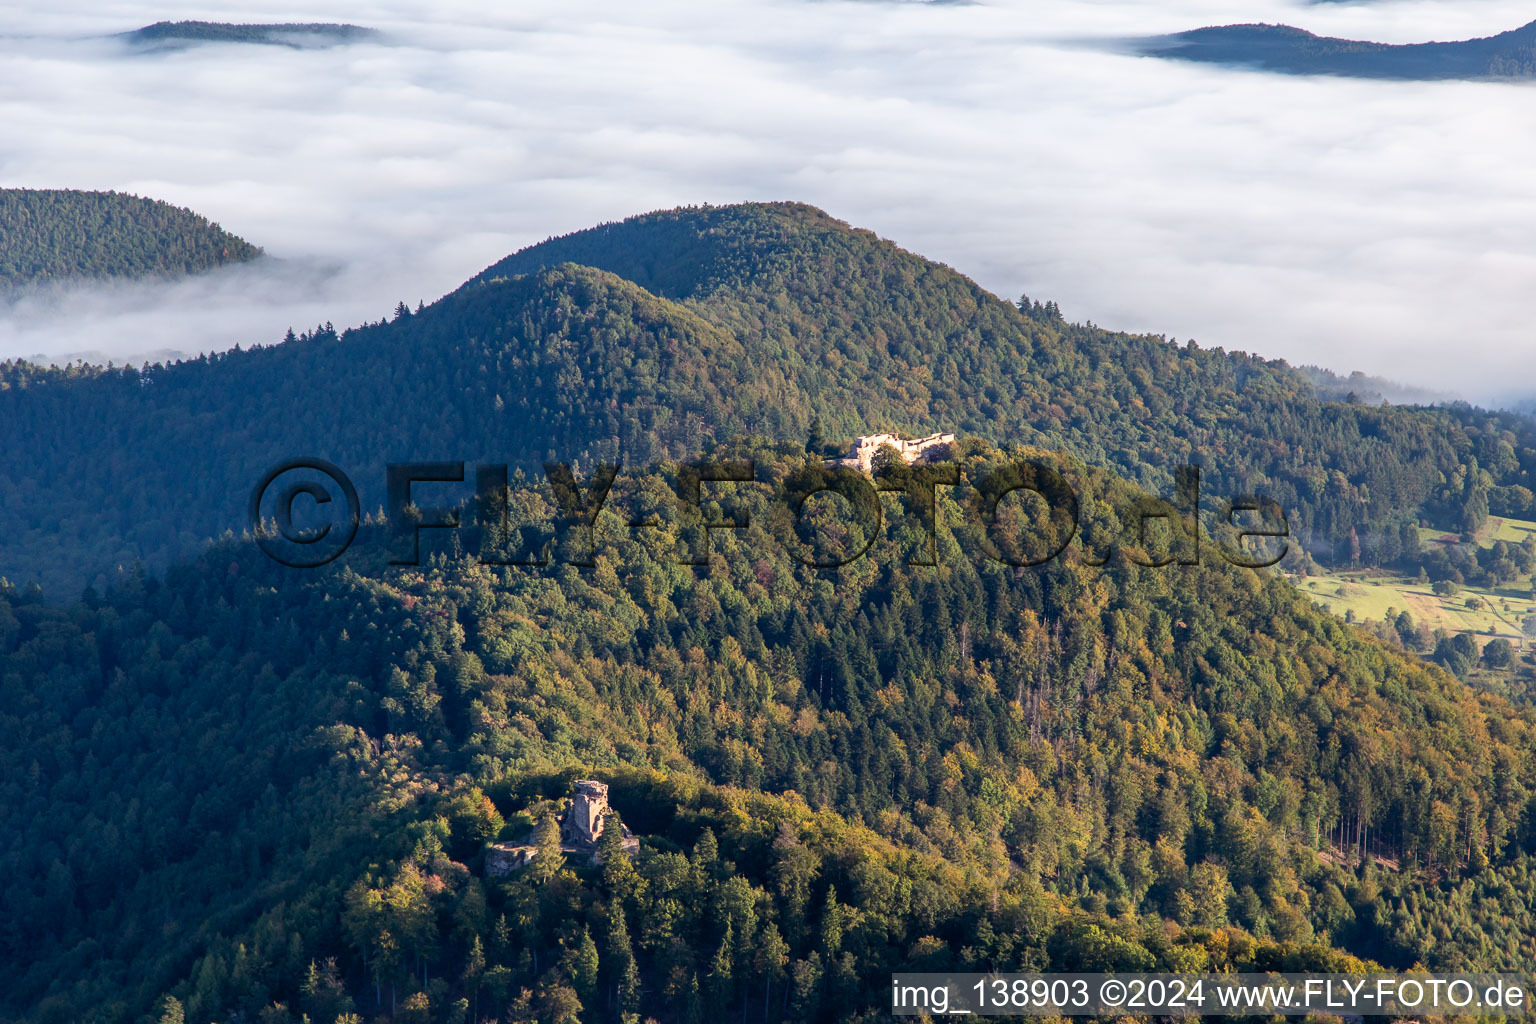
column 584, row 820
column 861, row 454
column 581, row 826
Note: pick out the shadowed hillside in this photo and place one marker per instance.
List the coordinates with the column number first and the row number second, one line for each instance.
column 673, row 331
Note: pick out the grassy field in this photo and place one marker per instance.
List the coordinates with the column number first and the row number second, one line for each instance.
column 1496, row 528
column 1369, row 594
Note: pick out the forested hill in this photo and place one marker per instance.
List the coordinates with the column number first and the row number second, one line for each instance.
column 1295, row 51
column 261, row 793
column 305, row 35
column 64, row 234
column 672, row 331
column 235, row 791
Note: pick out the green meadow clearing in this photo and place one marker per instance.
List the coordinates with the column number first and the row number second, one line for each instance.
column 1370, row 593
column 1496, row 528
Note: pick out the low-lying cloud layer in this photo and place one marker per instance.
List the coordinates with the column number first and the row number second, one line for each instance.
column 1380, row 226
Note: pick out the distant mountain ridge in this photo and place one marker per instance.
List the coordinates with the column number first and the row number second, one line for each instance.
column 296, row 35
column 1290, row 50
column 67, row 234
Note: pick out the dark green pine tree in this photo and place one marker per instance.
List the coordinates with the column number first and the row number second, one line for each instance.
column 815, row 437
column 619, row 964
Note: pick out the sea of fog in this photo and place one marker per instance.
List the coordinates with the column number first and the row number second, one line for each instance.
column 1383, row 226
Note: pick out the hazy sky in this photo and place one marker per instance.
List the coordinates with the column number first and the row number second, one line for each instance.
column 1383, row 226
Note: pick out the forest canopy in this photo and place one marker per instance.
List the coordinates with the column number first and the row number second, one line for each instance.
column 249, row 790
column 64, row 234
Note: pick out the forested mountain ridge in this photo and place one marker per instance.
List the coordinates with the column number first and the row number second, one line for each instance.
column 65, row 234
column 262, row 792
column 672, row 331
column 880, row 337
column 1296, row 51
column 520, row 371
column 297, row 35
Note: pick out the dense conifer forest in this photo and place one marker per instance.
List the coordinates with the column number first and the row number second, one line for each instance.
column 64, row 234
